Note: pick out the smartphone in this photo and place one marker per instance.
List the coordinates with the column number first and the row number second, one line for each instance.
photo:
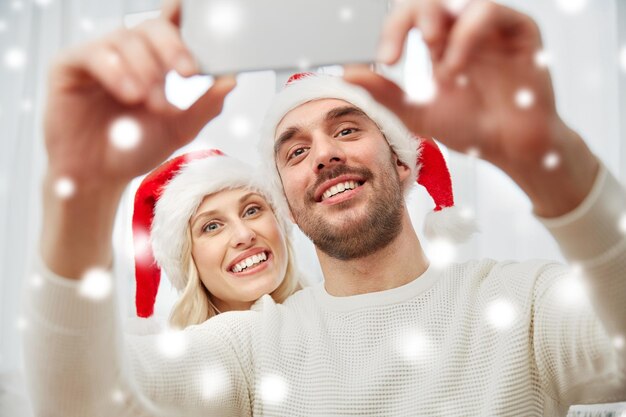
column 232, row 36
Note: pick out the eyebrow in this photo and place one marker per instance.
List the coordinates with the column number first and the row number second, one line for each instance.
column 212, row 212
column 332, row 115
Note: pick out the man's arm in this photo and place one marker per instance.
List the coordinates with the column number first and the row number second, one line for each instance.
column 493, row 48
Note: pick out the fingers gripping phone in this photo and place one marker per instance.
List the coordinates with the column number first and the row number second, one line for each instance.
column 232, row 36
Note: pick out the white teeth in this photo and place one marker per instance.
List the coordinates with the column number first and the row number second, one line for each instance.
column 339, row 188
column 248, row 262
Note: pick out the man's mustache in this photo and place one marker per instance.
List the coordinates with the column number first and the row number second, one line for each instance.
column 334, row 172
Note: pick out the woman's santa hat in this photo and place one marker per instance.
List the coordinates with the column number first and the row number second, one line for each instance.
column 165, row 202
column 421, row 155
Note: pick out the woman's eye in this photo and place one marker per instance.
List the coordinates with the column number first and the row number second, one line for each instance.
column 251, row 211
column 210, row 227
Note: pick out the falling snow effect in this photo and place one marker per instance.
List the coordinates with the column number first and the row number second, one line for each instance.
column 413, row 345
column 441, row 253
column 571, row 6
column 455, row 6
column 524, row 98
column 273, row 389
column 141, row 245
column 172, row 343
column 27, row 105
column 64, row 187
column 96, row 284
column 14, row 58
column 36, row 281
column 622, row 223
column 543, row 58
column 117, row 396
column 224, row 19
column 87, row 24
column 240, row 127
column 473, row 152
column 214, row 382
column 125, row 133
column 462, row 80
column 571, row 290
column 619, row 342
column 21, row 324
column 551, row 160
column 500, row 314
column 303, row 64
column 622, row 58
column 346, row 14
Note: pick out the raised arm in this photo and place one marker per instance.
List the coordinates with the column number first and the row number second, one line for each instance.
column 493, row 98
column 103, row 97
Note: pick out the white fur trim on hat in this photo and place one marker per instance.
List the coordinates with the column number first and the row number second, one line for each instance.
column 182, row 196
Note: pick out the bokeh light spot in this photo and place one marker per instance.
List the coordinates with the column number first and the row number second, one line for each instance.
column 441, row 253
column 125, row 133
column 96, row 284
column 15, row 58
column 501, row 314
column 551, row 161
column 524, row 98
column 346, row 14
column 571, row 6
column 64, row 187
column 224, row 19
column 273, row 389
column 172, row 343
column 240, row 127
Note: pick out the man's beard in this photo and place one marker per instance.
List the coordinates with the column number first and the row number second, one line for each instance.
column 355, row 238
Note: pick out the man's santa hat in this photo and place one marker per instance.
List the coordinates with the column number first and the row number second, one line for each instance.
column 421, row 155
column 165, row 202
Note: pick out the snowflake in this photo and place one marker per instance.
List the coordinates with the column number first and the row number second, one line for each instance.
column 15, row 58
column 96, row 284
column 64, row 187
column 273, row 389
column 551, row 160
column 501, row 314
column 524, row 98
column 125, row 133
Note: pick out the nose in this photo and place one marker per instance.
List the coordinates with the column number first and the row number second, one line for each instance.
column 327, row 152
column 242, row 235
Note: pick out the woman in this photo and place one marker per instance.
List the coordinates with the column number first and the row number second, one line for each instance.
column 214, row 232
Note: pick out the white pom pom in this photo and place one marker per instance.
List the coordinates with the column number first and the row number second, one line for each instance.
column 450, row 224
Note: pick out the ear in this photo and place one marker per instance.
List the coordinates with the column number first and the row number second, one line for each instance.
column 402, row 169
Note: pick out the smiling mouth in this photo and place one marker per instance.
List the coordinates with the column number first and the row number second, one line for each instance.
column 340, row 188
column 250, row 263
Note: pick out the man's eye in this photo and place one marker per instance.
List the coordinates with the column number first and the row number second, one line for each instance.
column 345, row 132
column 210, row 227
column 296, row 152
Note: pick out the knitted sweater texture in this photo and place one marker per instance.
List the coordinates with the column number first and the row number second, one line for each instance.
column 482, row 338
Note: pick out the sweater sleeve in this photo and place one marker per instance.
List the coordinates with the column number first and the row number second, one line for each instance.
column 78, row 362
column 580, row 313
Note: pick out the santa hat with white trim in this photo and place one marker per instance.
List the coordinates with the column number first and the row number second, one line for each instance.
column 164, row 203
column 421, row 155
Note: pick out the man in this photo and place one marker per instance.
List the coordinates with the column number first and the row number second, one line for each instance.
column 386, row 334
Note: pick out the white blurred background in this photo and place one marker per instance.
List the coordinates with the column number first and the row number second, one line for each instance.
column 585, row 49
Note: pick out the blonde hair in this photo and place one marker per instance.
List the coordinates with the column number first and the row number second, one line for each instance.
column 194, row 304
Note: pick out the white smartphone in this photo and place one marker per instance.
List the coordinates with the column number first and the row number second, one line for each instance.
column 232, row 36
